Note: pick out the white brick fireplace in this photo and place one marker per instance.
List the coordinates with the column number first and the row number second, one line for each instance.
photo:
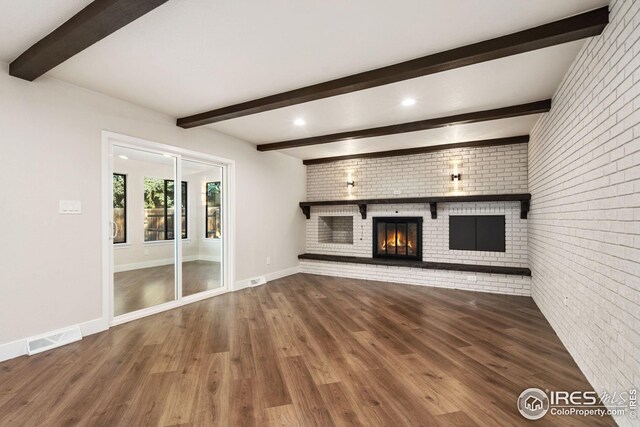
column 341, row 230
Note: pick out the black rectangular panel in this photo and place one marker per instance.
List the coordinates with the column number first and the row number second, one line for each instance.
column 490, row 233
column 462, row 233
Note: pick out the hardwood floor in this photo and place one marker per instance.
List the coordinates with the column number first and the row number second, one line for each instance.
column 146, row 287
column 302, row 351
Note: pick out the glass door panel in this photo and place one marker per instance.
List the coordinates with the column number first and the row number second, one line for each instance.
column 401, row 239
column 381, row 241
column 391, row 239
column 412, row 239
column 202, row 245
column 143, row 216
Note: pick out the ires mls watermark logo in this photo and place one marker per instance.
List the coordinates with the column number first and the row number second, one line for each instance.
column 533, row 403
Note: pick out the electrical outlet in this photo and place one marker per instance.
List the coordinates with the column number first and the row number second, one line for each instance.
column 268, row 260
column 397, row 192
column 566, row 301
column 472, row 278
column 146, row 252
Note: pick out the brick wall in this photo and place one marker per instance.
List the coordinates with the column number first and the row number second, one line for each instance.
column 435, row 232
column 584, row 224
column 479, row 282
column 488, row 170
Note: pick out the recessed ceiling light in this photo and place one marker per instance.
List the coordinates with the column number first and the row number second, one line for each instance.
column 299, row 122
column 408, row 102
column 123, row 157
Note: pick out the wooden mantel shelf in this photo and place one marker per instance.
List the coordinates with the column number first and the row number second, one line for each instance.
column 523, row 198
column 490, row 269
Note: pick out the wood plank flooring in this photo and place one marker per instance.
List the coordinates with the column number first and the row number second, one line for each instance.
column 304, row 350
column 146, row 287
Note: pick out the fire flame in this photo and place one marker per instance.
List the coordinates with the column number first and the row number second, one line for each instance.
column 401, row 240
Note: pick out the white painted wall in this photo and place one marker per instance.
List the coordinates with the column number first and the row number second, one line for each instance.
column 584, row 223
column 50, row 264
column 199, row 247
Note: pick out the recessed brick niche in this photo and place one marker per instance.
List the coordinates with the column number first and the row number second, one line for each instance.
column 335, row 229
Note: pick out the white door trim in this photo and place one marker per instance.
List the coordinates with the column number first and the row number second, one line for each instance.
column 109, row 139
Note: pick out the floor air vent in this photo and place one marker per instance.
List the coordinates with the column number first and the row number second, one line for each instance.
column 257, row 281
column 54, row 339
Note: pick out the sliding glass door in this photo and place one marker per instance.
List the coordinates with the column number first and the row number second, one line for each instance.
column 168, row 235
column 144, row 249
column 202, row 248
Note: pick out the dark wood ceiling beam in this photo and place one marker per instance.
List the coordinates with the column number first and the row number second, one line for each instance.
column 565, row 30
column 521, row 139
column 458, row 119
column 93, row 23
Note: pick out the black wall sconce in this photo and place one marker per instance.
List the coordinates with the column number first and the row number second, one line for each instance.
column 351, row 183
column 456, row 177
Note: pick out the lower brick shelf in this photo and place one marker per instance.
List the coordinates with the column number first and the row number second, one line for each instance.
column 491, row 269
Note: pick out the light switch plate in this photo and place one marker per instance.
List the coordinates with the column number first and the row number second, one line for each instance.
column 73, row 207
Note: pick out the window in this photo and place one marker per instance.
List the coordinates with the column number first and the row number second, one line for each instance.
column 477, row 233
column 120, row 207
column 213, row 211
column 159, row 209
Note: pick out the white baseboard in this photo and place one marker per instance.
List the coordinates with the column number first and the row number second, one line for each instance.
column 18, row 348
column 210, row 258
column 160, row 262
column 242, row 284
column 13, row 349
column 283, row 273
column 246, row 283
column 94, row 326
column 145, row 264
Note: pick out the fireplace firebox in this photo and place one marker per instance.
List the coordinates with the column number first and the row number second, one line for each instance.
column 397, row 237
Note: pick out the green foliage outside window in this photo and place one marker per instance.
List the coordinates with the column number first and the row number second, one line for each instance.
column 213, row 210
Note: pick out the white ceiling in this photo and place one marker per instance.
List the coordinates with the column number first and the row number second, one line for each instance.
column 189, row 56
column 518, row 79
column 24, row 22
column 124, row 155
column 444, row 135
column 143, row 156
